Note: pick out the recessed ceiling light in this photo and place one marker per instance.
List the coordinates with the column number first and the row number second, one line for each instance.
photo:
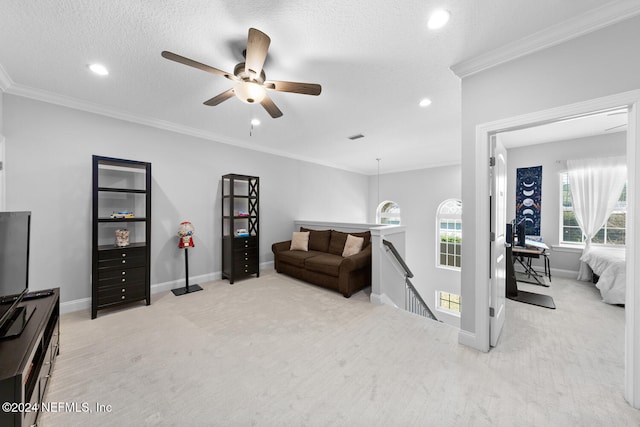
column 438, row 19
column 255, row 122
column 425, row 102
column 99, row 69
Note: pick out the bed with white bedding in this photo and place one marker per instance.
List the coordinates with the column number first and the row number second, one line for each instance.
column 609, row 264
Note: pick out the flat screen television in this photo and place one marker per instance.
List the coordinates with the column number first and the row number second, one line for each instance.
column 15, row 229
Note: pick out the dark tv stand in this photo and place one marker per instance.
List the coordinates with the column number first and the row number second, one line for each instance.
column 17, row 323
column 26, row 361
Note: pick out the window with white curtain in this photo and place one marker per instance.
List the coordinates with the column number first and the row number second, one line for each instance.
column 613, row 231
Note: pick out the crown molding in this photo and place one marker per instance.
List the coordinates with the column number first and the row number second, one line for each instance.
column 5, row 80
column 77, row 104
column 588, row 22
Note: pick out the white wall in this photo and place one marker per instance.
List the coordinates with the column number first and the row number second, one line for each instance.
column 553, row 159
column 48, row 165
column 419, row 193
column 592, row 66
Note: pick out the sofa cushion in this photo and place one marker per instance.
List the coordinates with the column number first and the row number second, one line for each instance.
column 324, row 263
column 338, row 240
column 352, row 246
column 318, row 239
column 296, row 258
column 300, row 241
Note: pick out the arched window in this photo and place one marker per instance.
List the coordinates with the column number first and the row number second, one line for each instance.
column 449, row 234
column 388, row 212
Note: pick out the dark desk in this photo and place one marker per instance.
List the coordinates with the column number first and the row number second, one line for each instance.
column 520, row 253
column 512, row 291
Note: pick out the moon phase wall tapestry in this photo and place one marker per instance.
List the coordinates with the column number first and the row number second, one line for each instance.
column 528, row 198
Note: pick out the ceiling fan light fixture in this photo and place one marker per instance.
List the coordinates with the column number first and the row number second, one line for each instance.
column 249, row 92
column 438, row 19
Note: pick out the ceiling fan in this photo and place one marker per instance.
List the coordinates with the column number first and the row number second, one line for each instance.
column 251, row 85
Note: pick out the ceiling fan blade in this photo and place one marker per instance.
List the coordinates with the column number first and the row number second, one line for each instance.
column 294, row 87
column 271, row 108
column 219, row 98
column 190, row 62
column 257, row 47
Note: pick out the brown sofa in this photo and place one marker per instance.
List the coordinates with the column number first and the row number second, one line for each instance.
column 323, row 264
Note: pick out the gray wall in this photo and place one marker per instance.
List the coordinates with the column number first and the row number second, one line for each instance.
column 419, row 193
column 48, row 171
column 1, row 115
column 553, row 159
column 2, row 173
column 595, row 65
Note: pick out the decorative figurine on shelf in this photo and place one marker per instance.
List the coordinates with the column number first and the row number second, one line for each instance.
column 185, row 231
column 122, row 215
column 122, row 237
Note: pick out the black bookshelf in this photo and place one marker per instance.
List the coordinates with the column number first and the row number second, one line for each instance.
column 120, row 274
column 240, row 226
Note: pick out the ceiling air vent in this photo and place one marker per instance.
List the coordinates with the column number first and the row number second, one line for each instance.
column 354, row 137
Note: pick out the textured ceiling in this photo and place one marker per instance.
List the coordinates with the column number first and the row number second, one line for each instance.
column 375, row 60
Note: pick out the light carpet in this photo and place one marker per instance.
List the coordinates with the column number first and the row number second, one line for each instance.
column 275, row 351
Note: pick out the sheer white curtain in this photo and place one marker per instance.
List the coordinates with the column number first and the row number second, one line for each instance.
column 596, row 185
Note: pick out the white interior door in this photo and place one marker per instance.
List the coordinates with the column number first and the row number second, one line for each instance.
column 498, row 245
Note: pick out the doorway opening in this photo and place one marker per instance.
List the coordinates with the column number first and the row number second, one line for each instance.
column 481, row 338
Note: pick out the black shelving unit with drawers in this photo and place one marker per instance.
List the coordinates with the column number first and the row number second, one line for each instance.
column 121, row 200
column 240, row 226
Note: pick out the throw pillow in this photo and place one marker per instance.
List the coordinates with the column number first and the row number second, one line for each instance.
column 352, row 246
column 300, row 241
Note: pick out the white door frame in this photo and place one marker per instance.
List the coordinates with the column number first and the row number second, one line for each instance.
column 632, row 309
column 3, row 179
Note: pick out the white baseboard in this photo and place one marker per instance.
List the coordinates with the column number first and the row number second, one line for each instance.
column 566, row 274
column 173, row 284
column 75, row 305
column 381, row 299
column 85, row 303
column 557, row 272
column 470, row 339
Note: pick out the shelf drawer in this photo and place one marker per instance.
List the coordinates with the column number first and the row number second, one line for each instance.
column 124, row 262
column 249, row 266
column 121, row 253
column 121, row 294
column 245, row 243
column 245, row 252
column 115, row 275
column 105, row 286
